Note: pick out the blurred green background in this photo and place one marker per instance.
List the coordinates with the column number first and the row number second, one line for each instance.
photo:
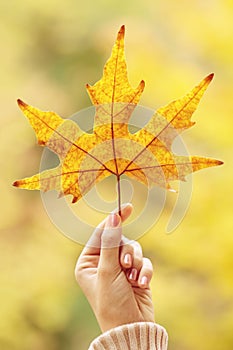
column 49, row 51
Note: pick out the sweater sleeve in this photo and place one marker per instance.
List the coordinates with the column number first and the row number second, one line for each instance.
column 135, row 336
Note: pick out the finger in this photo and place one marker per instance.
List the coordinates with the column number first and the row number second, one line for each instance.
column 130, row 254
column 138, row 256
column 145, row 274
column 126, row 255
column 110, row 242
column 94, row 243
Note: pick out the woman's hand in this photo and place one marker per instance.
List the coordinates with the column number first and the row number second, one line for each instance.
column 115, row 276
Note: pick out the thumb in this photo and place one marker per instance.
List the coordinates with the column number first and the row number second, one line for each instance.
column 110, row 243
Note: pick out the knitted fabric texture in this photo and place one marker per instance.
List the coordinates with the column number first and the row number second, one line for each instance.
column 135, row 336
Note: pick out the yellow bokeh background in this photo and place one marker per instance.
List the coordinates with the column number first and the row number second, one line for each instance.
column 49, row 51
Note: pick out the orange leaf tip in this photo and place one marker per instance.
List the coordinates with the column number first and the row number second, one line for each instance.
column 142, row 84
column 75, row 199
column 21, row 104
column 122, row 30
column 210, row 77
column 16, row 183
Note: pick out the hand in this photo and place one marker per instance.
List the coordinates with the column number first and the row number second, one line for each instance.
column 114, row 276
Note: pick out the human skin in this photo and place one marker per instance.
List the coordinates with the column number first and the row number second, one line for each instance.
column 115, row 276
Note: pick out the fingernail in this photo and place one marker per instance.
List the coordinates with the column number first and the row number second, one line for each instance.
column 114, row 220
column 133, row 275
column 144, row 281
column 127, row 259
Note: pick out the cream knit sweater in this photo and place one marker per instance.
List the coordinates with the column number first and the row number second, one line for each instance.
column 135, row 336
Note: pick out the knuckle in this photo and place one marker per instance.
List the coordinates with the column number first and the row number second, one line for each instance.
column 147, row 261
column 137, row 250
column 136, row 245
column 148, row 265
column 127, row 248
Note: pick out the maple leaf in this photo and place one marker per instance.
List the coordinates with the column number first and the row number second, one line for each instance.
column 87, row 158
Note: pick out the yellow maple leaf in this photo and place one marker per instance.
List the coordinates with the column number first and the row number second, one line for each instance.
column 111, row 149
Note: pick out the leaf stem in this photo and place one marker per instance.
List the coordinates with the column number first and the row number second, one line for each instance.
column 119, row 193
